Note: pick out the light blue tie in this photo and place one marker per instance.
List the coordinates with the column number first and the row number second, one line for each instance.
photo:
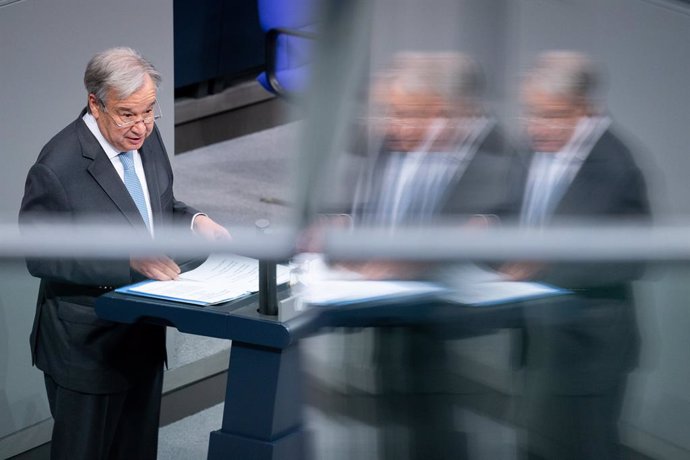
column 134, row 186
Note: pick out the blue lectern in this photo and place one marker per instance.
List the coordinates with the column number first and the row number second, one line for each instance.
column 263, row 373
column 262, row 418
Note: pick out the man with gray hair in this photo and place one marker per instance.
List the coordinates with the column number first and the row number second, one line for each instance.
column 580, row 349
column 104, row 379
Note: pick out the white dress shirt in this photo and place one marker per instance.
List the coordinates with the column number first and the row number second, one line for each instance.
column 414, row 183
column 113, row 155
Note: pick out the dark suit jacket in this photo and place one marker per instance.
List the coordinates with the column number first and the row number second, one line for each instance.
column 73, row 179
column 587, row 343
column 480, row 188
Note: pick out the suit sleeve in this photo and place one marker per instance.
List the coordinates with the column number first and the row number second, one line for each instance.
column 629, row 203
column 182, row 213
column 45, row 201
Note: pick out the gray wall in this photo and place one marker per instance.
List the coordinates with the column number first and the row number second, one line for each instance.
column 44, row 47
column 477, row 27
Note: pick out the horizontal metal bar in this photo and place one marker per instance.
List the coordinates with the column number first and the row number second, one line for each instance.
column 577, row 244
column 666, row 243
column 104, row 241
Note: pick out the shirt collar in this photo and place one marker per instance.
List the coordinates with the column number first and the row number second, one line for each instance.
column 92, row 124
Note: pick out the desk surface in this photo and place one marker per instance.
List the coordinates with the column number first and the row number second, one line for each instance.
column 239, row 319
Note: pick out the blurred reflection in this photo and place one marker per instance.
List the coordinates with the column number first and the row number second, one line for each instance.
column 436, row 152
column 579, row 350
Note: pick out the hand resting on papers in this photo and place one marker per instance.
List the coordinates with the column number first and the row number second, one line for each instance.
column 157, row 268
column 386, row 270
column 521, row 271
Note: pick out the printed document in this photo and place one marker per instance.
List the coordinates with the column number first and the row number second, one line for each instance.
column 220, row 278
column 464, row 284
column 472, row 285
column 323, row 285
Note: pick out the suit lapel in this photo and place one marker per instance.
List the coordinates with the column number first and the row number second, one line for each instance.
column 101, row 169
column 150, row 170
column 573, row 196
column 590, row 180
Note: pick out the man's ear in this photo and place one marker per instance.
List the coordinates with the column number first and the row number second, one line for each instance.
column 94, row 106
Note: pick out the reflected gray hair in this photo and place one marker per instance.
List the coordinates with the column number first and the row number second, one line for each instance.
column 449, row 74
column 122, row 70
column 565, row 73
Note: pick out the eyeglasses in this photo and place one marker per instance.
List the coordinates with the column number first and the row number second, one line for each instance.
column 564, row 122
column 128, row 120
column 406, row 122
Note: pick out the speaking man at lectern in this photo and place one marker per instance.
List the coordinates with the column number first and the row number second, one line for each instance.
column 104, row 379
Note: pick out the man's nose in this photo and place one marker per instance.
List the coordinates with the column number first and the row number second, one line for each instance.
column 139, row 127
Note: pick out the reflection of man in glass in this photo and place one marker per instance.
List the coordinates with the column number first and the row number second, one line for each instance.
column 440, row 156
column 440, row 153
column 580, row 350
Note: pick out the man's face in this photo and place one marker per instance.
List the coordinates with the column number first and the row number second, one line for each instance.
column 137, row 106
column 550, row 120
column 410, row 117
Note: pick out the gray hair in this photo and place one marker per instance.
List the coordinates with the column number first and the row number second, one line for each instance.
column 565, row 73
column 449, row 74
column 122, row 70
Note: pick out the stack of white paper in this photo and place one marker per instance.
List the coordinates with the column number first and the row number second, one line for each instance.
column 474, row 286
column 464, row 284
column 220, row 278
column 321, row 284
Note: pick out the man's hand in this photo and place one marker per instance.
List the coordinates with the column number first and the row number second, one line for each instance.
column 206, row 227
column 520, row 271
column 158, row 268
column 386, row 270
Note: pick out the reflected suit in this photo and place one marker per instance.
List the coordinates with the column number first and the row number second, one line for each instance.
column 415, row 374
column 580, row 349
column 477, row 187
